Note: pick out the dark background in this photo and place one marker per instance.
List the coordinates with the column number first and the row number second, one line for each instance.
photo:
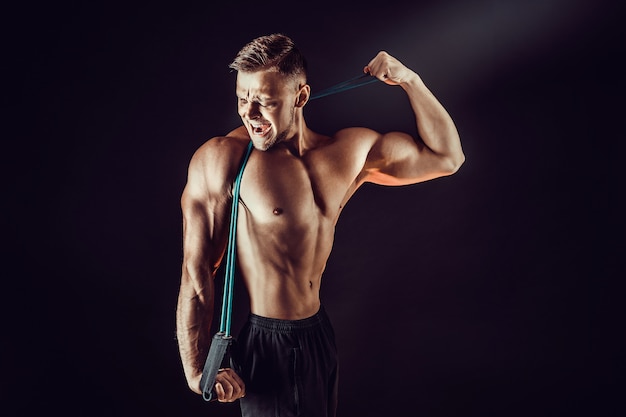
column 493, row 292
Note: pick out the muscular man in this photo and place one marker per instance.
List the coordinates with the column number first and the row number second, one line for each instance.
column 293, row 189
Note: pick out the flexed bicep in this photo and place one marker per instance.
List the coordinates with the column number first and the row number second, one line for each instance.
column 397, row 158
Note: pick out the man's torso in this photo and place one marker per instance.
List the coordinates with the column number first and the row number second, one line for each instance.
column 290, row 204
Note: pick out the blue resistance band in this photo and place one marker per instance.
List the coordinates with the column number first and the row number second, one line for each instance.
column 355, row 82
column 229, row 279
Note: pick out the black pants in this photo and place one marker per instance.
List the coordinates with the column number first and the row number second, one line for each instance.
column 289, row 367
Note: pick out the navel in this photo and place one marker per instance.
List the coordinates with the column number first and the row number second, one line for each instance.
column 277, row 211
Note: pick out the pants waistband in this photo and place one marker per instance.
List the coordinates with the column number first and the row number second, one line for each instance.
column 289, row 325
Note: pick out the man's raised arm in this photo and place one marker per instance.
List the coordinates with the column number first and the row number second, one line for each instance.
column 397, row 158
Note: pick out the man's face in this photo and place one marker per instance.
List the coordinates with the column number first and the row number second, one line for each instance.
column 266, row 102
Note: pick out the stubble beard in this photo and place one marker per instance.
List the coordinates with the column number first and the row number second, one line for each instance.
column 280, row 137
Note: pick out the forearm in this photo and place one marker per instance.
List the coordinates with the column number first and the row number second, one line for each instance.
column 194, row 316
column 435, row 127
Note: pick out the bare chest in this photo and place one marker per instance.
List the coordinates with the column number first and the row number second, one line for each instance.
column 282, row 188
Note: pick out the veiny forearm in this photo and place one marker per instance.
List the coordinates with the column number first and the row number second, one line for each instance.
column 434, row 125
column 194, row 315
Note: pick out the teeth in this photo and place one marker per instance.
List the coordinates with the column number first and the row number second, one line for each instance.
column 260, row 128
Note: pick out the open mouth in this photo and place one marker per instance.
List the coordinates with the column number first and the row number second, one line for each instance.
column 260, row 129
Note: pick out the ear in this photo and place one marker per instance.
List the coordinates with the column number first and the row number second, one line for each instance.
column 303, row 95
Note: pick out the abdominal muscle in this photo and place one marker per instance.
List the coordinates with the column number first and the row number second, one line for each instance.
column 282, row 266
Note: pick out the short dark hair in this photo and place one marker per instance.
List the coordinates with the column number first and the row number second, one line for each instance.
column 271, row 51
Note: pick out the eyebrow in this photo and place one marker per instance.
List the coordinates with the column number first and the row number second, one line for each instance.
column 258, row 92
column 261, row 98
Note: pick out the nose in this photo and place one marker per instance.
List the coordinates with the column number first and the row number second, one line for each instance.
column 249, row 110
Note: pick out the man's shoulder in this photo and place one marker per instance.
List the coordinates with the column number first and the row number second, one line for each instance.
column 350, row 133
column 352, row 138
column 215, row 162
column 222, row 148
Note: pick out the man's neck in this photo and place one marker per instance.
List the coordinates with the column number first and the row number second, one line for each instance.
column 302, row 140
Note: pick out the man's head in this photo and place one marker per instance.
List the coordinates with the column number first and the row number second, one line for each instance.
column 271, row 88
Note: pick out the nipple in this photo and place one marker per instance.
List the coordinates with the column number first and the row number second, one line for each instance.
column 278, row 211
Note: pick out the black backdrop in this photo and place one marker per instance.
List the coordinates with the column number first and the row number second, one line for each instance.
column 490, row 292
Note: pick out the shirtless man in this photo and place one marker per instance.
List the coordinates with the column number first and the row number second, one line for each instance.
column 293, row 189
